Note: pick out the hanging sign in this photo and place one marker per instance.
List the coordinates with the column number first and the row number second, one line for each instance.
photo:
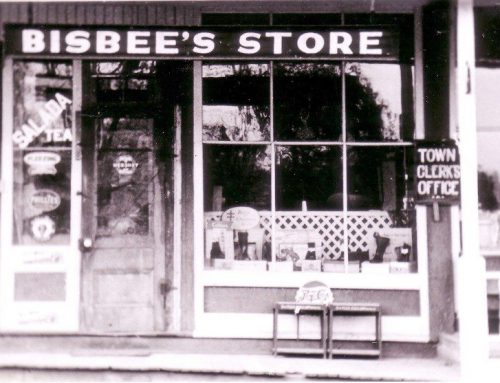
column 437, row 172
column 342, row 42
column 41, row 163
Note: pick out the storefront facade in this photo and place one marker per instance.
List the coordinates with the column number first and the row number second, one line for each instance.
column 177, row 168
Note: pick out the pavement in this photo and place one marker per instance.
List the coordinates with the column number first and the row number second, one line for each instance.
column 100, row 366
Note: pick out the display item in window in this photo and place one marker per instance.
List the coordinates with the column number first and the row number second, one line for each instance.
column 403, row 253
column 382, row 244
column 242, row 254
column 216, row 252
column 311, row 251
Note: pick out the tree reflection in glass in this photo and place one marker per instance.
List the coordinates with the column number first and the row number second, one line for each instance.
column 236, row 102
column 308, row 101
column 242, row 173
column 374, row 102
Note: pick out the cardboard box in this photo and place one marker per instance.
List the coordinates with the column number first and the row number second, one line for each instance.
column 286, row 266
column 250, row 265
column 375, row 268
column 311, row 265
column 403, row 267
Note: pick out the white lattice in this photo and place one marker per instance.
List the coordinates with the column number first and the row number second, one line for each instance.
column 329, row 225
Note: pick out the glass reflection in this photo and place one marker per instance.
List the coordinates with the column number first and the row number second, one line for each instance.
column 236, row 102
column 308, row 101
column 374, row 104
column 237, row 176
column 308, row 177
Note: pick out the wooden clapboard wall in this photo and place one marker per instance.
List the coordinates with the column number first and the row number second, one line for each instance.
column 147, row 14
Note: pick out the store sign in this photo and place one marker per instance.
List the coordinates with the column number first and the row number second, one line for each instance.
column 40, row 163
column 437, row 172
column 45, row 200
column 347, row 42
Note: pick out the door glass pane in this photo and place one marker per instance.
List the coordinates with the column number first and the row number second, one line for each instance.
column 42, row 141
column 124, row 176
column 307, row 101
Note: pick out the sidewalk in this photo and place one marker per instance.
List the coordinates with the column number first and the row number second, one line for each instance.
column 31, row 366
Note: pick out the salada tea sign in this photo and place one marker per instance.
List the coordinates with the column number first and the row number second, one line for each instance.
column 437, row 172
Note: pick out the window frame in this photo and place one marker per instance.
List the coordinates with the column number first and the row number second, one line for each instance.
column 220, row 278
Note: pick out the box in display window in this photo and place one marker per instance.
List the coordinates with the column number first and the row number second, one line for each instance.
column 284, row 266
column 375, row 268
column 250, row 265
column 311, row 265
column 402, row 267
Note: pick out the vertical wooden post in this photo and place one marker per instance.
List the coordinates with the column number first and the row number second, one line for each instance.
column 471, row 277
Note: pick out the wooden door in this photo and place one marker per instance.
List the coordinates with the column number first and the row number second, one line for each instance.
column 125, row 190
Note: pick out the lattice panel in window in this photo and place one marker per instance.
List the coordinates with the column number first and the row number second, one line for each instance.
column 329, row 225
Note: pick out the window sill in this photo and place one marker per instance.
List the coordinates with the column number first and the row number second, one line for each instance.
column 237, row 278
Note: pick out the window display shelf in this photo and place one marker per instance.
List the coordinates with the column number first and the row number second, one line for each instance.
column 237, row 278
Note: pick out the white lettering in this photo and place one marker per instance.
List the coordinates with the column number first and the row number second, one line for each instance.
column 33, row 41
column 367, row 39
column 136, row 42
column 107, row 42
column 278, row 40
column 55, row 41
column 340, row 41
column 204, row 42
column 53, row 108
column 318, row 42
column 78, row 42
column 63, row 101
column 163, row 42
column 248, row 46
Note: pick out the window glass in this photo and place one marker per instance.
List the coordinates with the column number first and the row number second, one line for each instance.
column 307, row 101
column 42, row 141
column 308, row 177
column 236, row 102
column 237, row 176
column 374, row 102
column 308, row 165
column 124, row 176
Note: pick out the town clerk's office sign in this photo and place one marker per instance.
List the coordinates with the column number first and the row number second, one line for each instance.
column 205, row 42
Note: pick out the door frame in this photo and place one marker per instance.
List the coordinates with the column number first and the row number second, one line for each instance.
column 65, row 314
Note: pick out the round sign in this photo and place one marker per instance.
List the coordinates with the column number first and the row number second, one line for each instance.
column 45, row 200
column 43, row 228
column 42, row 162
column 125, row 165
column 242, row 218
column 314, row 292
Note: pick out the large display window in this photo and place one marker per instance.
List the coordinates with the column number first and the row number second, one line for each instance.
column 307, row 166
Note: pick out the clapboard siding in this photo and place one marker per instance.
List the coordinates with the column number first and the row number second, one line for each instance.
column 146, row 14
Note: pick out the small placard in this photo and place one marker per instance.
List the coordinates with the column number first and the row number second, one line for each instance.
column 242, row 218
column 437, row 172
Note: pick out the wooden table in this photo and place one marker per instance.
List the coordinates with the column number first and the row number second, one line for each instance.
column 355, row 309
column 299, row 309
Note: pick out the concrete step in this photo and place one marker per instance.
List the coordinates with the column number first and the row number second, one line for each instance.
column 449, row 347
